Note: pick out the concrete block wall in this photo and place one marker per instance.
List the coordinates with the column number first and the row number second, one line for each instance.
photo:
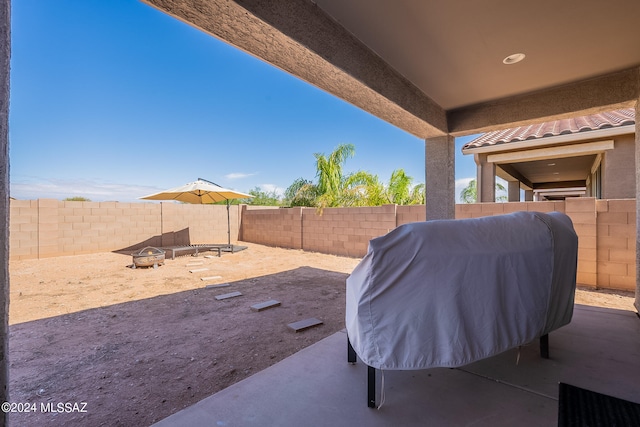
column 85, row 227
column 48, row 228
column 23, row 226
column 89, row 227
column 616, row 244
column 606, row 232
column 477, row 210
column 582, row 212
column 345, row 231
column 184, row 224
column 412, row 213
column 272, row 227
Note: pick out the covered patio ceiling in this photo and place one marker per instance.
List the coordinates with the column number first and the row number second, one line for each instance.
column 564, row 172
column 435, row 68
column 440, row 69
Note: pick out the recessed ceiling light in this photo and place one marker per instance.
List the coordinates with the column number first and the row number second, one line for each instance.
column 551, row 164
column 512, row 59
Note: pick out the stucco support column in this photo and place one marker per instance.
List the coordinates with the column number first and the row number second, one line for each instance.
column 528, row 195
column 513, row 192
column 637, row 300
column 485, row 179
column 440, row 177
column 5, row 54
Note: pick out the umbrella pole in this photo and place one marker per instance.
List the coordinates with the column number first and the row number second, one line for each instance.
column 228, row 226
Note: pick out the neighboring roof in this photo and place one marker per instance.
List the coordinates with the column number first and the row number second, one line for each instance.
column 610, row 119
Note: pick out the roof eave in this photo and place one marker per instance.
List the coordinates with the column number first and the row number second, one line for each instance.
column 552, row 140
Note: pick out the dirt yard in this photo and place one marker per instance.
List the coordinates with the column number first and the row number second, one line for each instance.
column 129, row 347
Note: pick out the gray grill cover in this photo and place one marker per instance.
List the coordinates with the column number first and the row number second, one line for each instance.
column 449, row 292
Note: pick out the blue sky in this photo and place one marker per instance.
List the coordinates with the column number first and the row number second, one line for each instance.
column 113, row 100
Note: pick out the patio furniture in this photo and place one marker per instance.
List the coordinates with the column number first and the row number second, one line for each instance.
column 201, row 192
column 447, row 293
column 148, row 257
column 193, row 250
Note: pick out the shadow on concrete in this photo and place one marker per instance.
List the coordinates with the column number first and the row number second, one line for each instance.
column 598, row 351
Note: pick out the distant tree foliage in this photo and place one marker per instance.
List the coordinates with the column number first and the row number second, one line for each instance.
column 76, row 199
column 401, row 191
column 469, row 194
column 335, row 188
column 263, row 198
column 301, row 193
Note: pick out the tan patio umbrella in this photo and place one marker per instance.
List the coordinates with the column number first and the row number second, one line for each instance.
column 201, row 192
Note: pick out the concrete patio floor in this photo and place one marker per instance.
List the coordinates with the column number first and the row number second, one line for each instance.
column 599, row 350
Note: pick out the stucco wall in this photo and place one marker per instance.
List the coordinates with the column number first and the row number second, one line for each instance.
column 619, row 169
column 5, row 55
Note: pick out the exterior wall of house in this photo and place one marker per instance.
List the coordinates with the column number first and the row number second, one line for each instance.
column 5, row 67
column 617, row 165
column 619, row 169
column 48, row 228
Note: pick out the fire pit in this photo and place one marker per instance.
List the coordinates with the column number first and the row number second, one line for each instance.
column 148, row 257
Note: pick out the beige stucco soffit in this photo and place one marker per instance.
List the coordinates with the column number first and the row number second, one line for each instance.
column 573, row 150
column 609, row 92
column 299, row 38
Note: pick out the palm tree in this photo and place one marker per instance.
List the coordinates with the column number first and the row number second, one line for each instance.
column 357, row 189
column 417, row 196
column 400, row 192
column 375, row 192
column 469, row 194
column 335, row 188
column 329, row 173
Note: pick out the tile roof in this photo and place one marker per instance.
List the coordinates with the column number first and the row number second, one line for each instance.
column 609, row 119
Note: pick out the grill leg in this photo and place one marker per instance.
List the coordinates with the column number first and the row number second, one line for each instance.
column 351, row 353
column 371, row 387
column 544, row 346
